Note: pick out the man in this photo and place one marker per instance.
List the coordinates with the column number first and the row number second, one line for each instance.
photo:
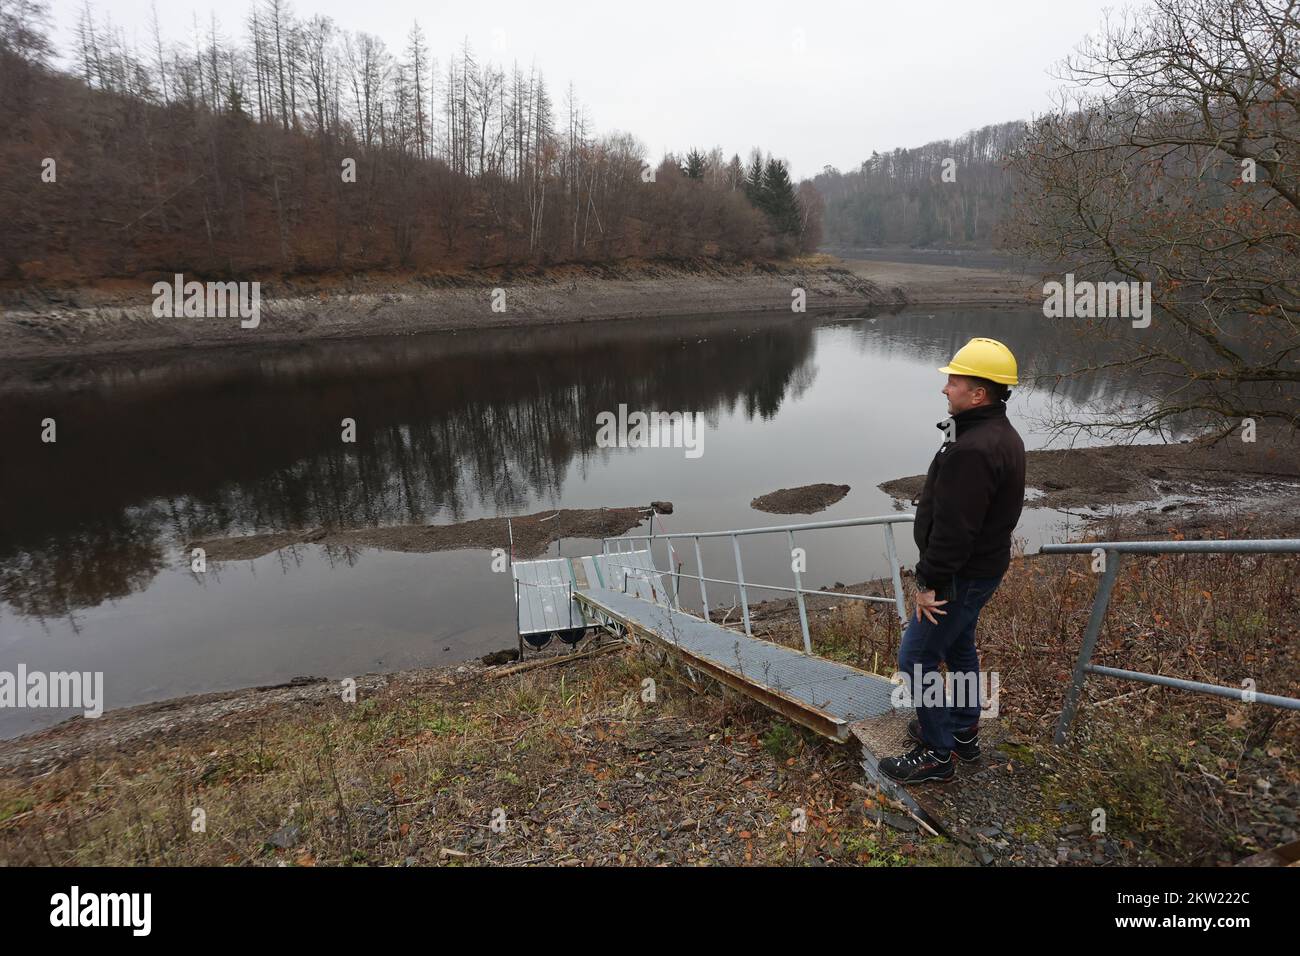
column 966, row 514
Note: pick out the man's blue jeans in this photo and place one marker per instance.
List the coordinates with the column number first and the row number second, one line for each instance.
column 951, row 641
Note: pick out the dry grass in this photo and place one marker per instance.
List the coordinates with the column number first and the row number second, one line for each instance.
column 1175, row 770
column 585, row 771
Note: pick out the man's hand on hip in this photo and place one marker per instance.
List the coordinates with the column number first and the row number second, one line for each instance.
column 927, row 605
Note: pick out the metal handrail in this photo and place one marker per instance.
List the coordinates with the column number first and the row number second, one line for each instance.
column 888, row 521
column 765, row 587
column 642, row 574
column 806, row 526
column 1229, row 546
column 1101, row 601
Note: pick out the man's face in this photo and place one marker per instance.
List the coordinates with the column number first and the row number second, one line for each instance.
column 962, row 395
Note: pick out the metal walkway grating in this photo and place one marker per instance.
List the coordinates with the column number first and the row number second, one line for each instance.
column 821, row 694
column 833, row 699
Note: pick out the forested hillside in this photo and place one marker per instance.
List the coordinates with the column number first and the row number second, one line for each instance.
column 308, row 148
column 904, row 198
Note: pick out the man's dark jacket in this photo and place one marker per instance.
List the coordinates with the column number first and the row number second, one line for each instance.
column 971, row 501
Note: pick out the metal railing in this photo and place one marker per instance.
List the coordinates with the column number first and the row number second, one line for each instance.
column 1112, row 551
column 674, row 574
column 641, row 574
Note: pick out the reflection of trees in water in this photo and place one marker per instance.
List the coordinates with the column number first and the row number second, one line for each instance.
column 1044, row 348
column 106, row 560
column 445, row 425
column 1077, row 363
column 1163, row 380
column 259, row 447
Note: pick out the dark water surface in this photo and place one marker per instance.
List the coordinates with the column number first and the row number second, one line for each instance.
column 449, row 427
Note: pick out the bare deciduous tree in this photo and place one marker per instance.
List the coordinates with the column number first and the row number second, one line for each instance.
column 1174, row 159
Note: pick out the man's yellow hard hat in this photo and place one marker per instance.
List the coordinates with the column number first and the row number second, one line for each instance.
column 984, row 358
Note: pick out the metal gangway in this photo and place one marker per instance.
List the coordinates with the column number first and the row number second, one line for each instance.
column 624, row 590
column 674, row 572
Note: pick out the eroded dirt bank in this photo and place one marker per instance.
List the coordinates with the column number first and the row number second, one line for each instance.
column 115, row 316
column 942, row 285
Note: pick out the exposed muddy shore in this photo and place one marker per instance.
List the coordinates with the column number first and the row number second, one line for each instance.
column 1141, row 489
column 804, row 500
column 116, row 317
column 532, row 534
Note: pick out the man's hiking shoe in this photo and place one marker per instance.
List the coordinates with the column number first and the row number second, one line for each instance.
column 918, row 765
column 968, row 741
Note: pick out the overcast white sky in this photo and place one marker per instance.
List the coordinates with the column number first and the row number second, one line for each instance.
column 816, row 82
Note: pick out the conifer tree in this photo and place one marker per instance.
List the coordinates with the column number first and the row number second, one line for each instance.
column 694, row 168
column 779, row 200
column 754, row 179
